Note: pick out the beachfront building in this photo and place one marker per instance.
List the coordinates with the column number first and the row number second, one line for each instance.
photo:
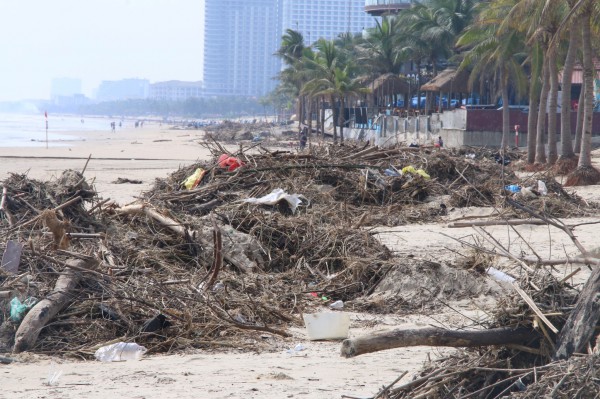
column 124, row 89
column 240, row 38
column 175, row 90
column 317, row 19
column 386, row 7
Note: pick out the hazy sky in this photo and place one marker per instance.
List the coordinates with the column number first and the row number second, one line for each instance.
column 95, row 40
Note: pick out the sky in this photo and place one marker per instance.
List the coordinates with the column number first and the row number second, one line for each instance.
column 95, row 40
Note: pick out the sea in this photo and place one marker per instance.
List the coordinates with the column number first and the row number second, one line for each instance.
column 29, row 130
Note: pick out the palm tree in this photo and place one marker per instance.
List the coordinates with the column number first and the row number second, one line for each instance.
column 493, row 51
column 567, row 160
column 585, row 173
column 321, row 74
column 291, row 52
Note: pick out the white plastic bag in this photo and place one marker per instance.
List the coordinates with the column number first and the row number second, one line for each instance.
column 120, row 351
column 294, row 200
column 542, row 189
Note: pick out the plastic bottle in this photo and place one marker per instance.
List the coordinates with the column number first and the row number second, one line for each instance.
column 337, row 305
column 120, row 351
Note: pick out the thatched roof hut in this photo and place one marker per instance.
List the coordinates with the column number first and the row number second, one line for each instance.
column 389, row 84
column 449, row 81
column 386, row 87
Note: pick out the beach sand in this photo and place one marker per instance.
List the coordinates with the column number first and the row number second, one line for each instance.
column 134, row 153
column 316, row 372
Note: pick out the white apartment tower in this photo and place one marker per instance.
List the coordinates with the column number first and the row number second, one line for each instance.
column 242, row 36
column 317, row 19
column 240, row 39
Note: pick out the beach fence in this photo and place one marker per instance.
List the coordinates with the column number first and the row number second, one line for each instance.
column 389, row 130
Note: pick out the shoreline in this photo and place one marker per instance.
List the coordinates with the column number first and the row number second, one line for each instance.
column 146, row 153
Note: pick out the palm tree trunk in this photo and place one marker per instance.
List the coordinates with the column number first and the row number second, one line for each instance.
column 540, row 151
column 318, row 120
column 342, row 120
column 322, row 113
column 579, row 124
column 531, row 121
column 585, row 158
column 566, row 137
column 335, row 139
column 505, row 112
column 310, row 119
column 552, row 108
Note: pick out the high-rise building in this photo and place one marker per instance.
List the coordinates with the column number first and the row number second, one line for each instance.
column 317, row 19
column 240, row 39
column 124, row 89
column 242, row 36
column 175, row 90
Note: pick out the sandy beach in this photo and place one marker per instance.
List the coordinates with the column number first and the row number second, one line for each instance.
column 133, row 153
column 315, row 371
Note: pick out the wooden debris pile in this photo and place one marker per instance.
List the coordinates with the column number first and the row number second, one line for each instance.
column 202, row 267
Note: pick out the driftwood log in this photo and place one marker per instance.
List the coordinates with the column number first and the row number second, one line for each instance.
column 581, row 324
column 35, row 320
column 437, row 337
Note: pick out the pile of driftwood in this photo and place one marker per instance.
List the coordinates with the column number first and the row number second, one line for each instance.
column 202, row 267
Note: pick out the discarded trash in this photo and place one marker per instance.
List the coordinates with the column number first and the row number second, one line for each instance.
column 229, row 163
column 503, row 160
column 327, row 325
column 294, row 200
column 194, row 179
column 53, row 375
column 156, row 323
column 295, row 349
column 499, row 275
column 219, row 286
column 470, row 156
column 337, row 305
column 120, row 351
column 513, row 188
column 411, row 169
column 18, row 309
column 542, row 189
column 391, row 172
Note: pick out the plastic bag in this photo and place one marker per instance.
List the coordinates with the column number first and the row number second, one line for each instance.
column 294, row 200
column 120, row 351
column 18, row 309
column 229, row 163
column 411, row 169
column 542, row 189
column 194, row 179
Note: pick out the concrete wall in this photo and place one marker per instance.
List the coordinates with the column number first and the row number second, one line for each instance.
column 452, row 126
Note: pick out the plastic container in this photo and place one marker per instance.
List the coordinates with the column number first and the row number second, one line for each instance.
column 120, row 351
column 327, row 325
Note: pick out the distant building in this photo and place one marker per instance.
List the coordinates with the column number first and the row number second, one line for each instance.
column 64, row 87
column 317, row 19
column 240, row 38
column 384, row 7
column 124, row 89
column 175, row 90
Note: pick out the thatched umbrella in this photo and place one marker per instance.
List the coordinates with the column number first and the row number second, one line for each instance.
column 388, row 85
column 448, row 81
